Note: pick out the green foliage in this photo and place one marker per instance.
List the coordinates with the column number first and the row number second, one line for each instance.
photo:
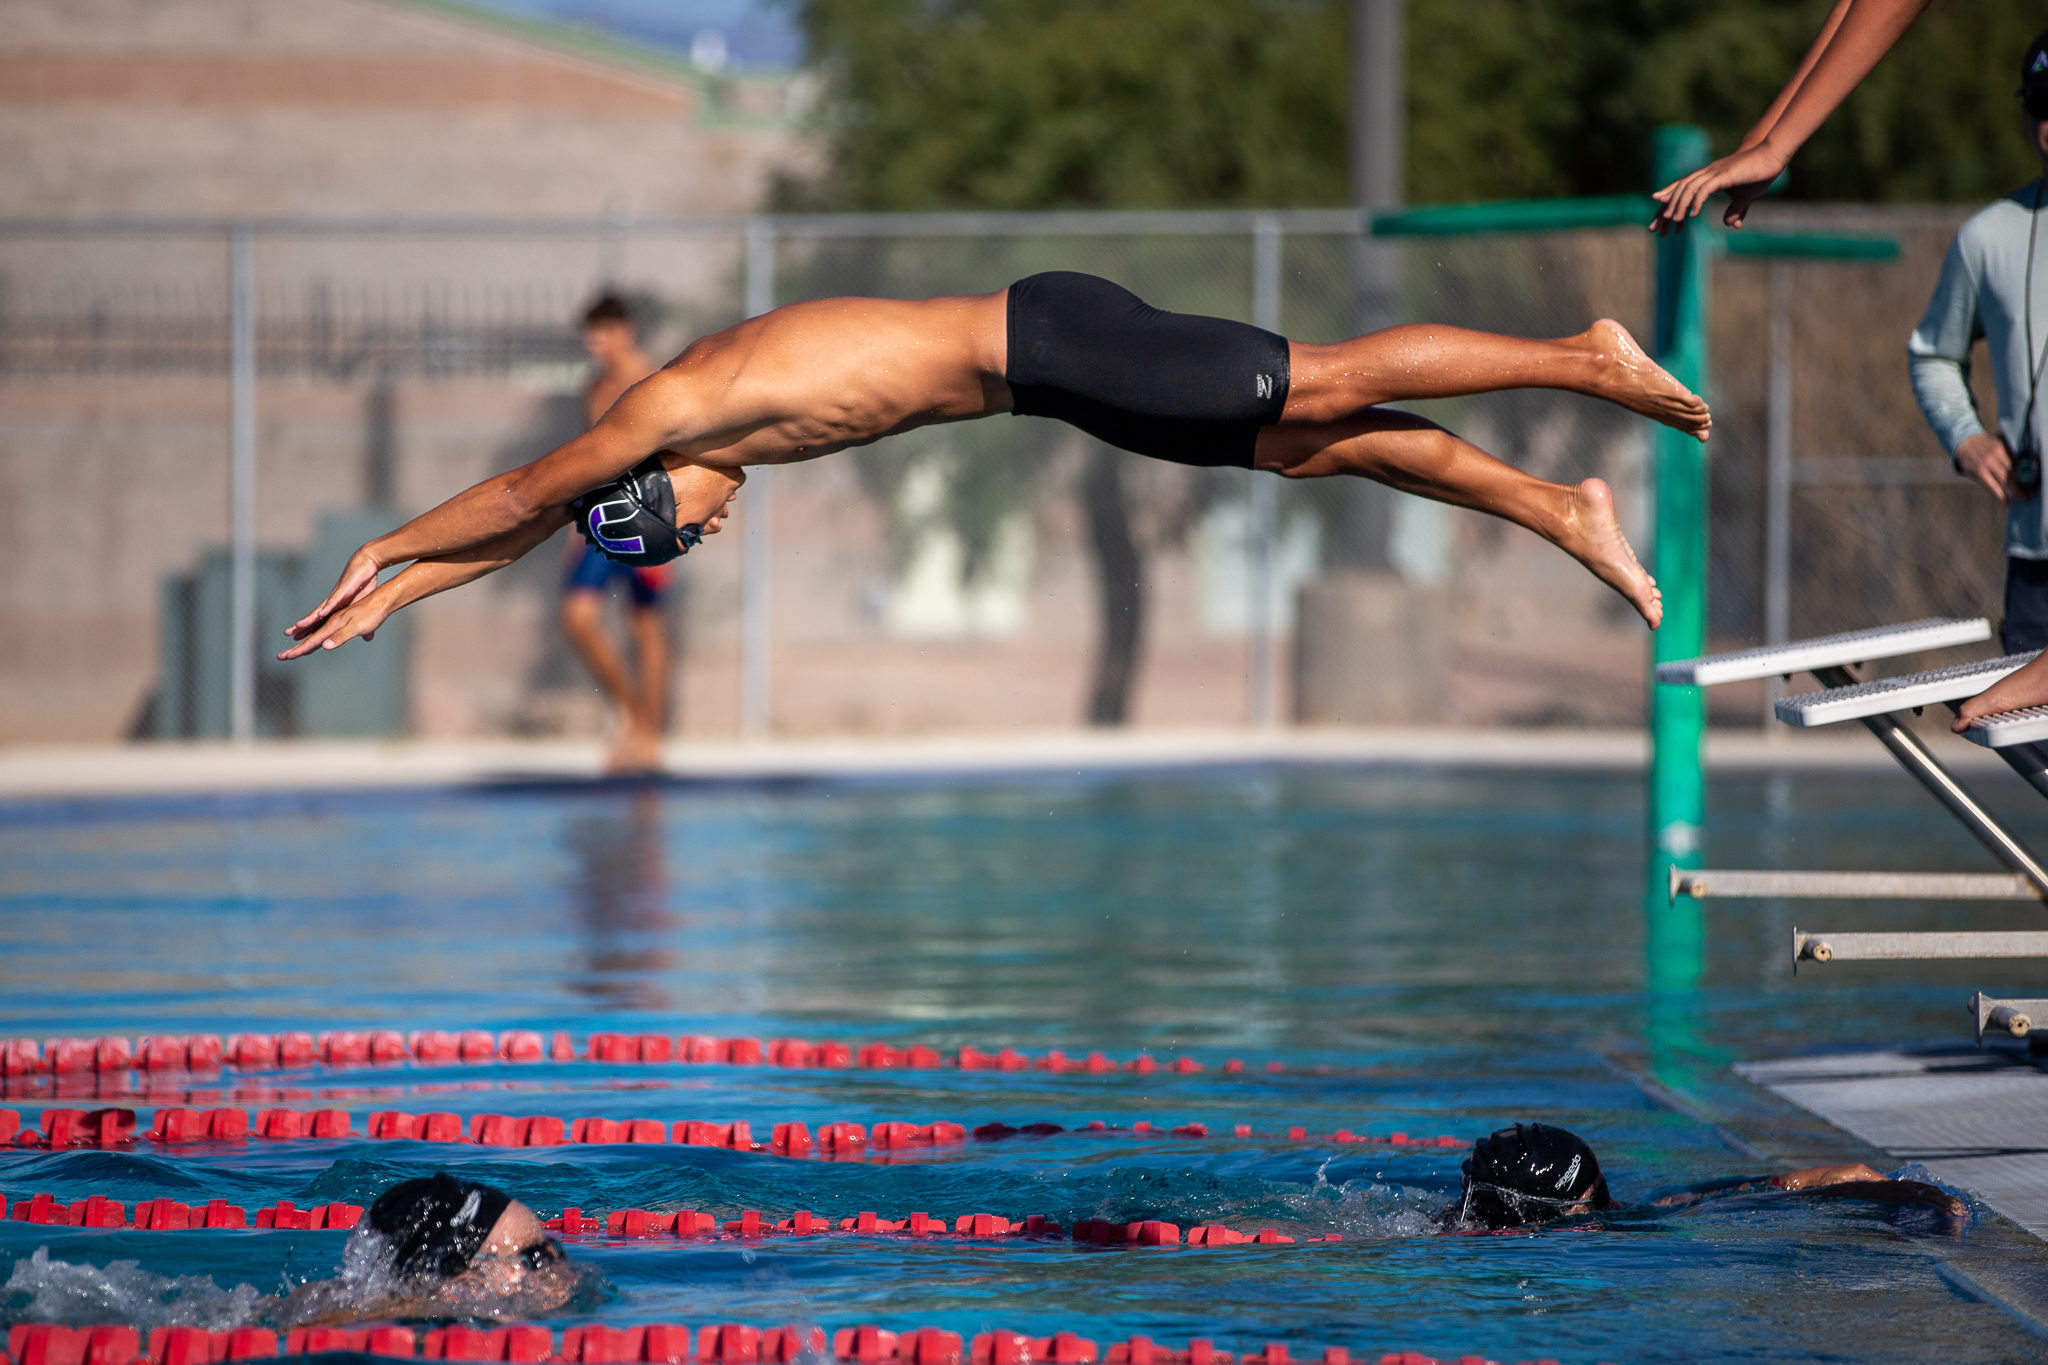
column 1187, row 103
column 1082, row 103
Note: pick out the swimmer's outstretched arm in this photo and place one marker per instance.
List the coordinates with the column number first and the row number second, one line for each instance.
column 1854, row 39
column 652, row 414
column 423, row 578
column 1852, row 1181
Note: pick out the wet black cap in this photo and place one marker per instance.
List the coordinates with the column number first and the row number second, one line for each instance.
column 435, row 1226
column 632, row 519
column 1530, row 1173
column 2033, row 90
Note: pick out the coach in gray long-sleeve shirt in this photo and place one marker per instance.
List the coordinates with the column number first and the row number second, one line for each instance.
column 1995, row 264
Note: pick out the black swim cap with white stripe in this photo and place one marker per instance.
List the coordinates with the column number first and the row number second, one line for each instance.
column 436, row 1225
column 1529, row 1173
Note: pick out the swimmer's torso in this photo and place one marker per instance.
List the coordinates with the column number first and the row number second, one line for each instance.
column 812, row 378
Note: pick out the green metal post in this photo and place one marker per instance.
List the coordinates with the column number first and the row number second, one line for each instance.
column 1679, row 561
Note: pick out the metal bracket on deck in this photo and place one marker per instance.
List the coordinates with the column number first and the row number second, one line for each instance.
column 1726, row 884
column 2015, row 1017
column 1816, row 945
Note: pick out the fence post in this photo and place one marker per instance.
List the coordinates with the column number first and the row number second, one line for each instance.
column 1678, row 714
column 1778, row 484
column 242, row 482
column 1266, row 244
column 755, row 621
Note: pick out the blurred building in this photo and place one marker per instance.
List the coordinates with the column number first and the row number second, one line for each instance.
column 342, row 110
column 358, row 107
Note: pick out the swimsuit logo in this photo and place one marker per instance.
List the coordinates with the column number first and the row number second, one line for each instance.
column 1265, row 385
column 1571, row 1173
column 600, row 518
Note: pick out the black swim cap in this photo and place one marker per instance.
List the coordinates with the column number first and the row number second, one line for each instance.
column 1530, row 1173
column 632, row 519
column 435, row 1226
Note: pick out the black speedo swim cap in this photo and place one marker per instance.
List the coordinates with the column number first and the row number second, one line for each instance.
column 1529, row 1173
column 435, row 1226
column 632, row 519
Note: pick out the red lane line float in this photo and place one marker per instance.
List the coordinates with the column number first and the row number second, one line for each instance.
column 173, row 1127
column 169, row 1215
column 436, row 1047
column 728, row 1343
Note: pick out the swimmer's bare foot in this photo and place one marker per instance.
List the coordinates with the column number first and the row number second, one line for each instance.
column 2027, row 687
column 1590, row 532
column 636, row 753
column 1623, row 374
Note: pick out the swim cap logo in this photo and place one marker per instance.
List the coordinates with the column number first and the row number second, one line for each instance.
column 1571, row 1173
column 601, row 517
column 475, row 1202
column 2040, row 64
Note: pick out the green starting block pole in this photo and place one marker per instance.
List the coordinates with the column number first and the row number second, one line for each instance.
column 1683, row 276
column 1678, row 561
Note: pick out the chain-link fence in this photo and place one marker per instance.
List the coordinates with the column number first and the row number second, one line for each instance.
column 331, row 379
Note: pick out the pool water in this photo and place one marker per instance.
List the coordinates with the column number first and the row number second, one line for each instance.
column 1421, row 951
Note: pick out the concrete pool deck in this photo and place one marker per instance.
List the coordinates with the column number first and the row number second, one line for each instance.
column 35, row 772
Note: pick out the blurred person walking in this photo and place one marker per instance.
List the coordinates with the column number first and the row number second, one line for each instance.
column 638, row 688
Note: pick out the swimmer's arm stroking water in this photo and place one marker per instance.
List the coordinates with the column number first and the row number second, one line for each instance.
column 652, row 414
column 1854, row 39
column 1852, row 1181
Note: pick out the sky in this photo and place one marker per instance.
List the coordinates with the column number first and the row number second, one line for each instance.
column 750, row 33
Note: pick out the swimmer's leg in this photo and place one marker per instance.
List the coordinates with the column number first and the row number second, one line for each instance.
column 1418, row 456
column 1425, row 360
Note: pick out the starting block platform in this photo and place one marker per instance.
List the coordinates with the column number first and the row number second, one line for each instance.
column 1878, row 704
column 2007, row 728
column 1881, row 696
column 1825, row 651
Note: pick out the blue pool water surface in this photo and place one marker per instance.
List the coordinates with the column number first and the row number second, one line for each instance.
column 1422, row 951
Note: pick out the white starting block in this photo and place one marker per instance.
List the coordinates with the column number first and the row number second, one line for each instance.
column 2015, row 1017
column 1825, row 651
column 2007, row 728
column 1876, row 703
column 1881, row 696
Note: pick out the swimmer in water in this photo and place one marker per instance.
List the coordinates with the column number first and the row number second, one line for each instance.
column 1534, row 1173
column 441, row 1247
column 659, row 471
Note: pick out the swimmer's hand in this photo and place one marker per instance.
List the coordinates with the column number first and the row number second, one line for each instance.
column 358, row 620
column 358, row 579
column 1744, row 174
column 1858, row 1181
column 2025, row 687
column 359, row 604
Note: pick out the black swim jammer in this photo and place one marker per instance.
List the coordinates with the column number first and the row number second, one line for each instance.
column 1175, row 386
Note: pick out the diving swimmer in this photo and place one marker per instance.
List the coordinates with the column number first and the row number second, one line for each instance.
column 659, row 471
column 1534, row 1173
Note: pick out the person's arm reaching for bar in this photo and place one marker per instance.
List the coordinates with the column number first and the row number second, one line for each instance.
column 649, row 416
column 361, row 617
column 1854, row 39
